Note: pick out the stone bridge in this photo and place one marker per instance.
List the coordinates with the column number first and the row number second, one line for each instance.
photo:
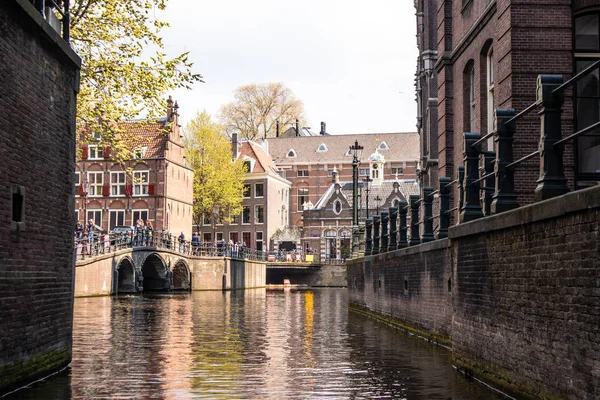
column 133, row 270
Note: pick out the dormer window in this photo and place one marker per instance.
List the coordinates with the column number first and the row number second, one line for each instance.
column 291, row 154
column 96, row 136
column 322, row 148
column 383, row 146
column 140, row 153
column 248, row 166
column 337, row 207
column 348, row 153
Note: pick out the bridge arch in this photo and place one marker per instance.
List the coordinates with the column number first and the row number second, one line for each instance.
column 156, row 274
column 182, row 278
column 125, row 276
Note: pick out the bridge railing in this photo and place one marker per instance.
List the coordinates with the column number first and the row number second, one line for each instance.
column 94, row 245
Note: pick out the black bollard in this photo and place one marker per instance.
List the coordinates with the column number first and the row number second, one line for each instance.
column 427, row 215
column 385, row 219
column 402, row 212
column 444, row 207
column 376, row 232
column 472, row 207
column 504, row 197
column 414, row 220
column 369, row 228
column 393, row 244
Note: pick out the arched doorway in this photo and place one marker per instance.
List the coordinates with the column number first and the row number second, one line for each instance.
column 125, row 277
column 157, row 277
column 181, row 276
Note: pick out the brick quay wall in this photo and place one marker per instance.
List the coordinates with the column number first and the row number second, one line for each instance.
column 39, row 78
column 516, row 296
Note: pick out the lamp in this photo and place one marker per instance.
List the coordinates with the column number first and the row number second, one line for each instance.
column 357, row 151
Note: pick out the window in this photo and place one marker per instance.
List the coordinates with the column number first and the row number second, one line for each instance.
column 348, row 153
column 247, row 166
column 490, row 98
column 337, row 207
column 470, row 98
column 235, row 219
column 383, row 146
column 206, row 219
column 302, row 197
column 363, row 171
column 139, row 214
column 139, row 153
column 116, row 218
column 302, row 172
column 246, row 238
column 587, row 91
column 329, row 172
column 77, row 178
column 219, row 236
column 291, row 154
column 259, row 214
column 206, row 237
column 246, row 191
column 259, row 241
column 140, row 183
column 259, row 190
column 95, row 181
column 375, row 172
column 322, row 148
column 246, row 215
column 95, row 215
column 17, row 207
column 397, row 170
column 117, row 183
column 95, row 152
column 234, row 237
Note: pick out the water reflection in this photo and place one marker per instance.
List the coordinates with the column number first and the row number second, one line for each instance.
column 252, row 344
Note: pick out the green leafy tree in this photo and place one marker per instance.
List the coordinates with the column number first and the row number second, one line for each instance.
column 125, row 72
column 218, row 179
column 257, row 108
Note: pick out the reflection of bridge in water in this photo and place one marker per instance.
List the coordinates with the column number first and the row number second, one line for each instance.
column 119, row 267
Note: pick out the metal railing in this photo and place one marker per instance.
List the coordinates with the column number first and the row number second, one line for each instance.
column 47, row 8
column 486, row 181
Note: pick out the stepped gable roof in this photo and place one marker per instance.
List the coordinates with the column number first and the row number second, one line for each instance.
column 402, row 146
column 388, row 191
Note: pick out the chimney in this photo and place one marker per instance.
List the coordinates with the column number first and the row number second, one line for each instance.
column 297, row 131
column 335, row 176
column 277, row 129
column 234, row 145
column 322, row 128
column 169, row 109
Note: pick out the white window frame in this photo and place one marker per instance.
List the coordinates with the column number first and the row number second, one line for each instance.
column 322, row 148
column 397, row 173
column 261, row 240
column 138, row 184
column 256, row 196
column 292, row 152
column 300, row 208
column 117, row 189
column 110, row 214
column 364, row 171
column 249, row 215
column 77, row 182
column 95, row 188
column 140, row 153
column 247, row 194
column 256, row 208
column 302, row 173
column 490, row 96
column 95, row 213
column 97, row 152
column 383, row 146
column 139, row 211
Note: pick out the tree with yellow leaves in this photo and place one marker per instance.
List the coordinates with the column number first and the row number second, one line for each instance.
column 218, row 178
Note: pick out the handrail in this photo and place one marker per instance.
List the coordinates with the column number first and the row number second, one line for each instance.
column 523, row 112
column 520, row 160
column 483, row 138
column 577, row 77
column 482, row 178
column 578, row 133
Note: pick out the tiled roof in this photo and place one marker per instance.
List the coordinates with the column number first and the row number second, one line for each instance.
column 388, row 191
column 402, row 147
column 256, row 151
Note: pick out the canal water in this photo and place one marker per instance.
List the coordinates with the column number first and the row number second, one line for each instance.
column 254, row 344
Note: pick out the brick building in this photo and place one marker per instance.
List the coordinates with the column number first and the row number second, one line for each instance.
column 156, row 186
column 308, row 162
column 487, row 54
column 265, row 202
column 40, row 81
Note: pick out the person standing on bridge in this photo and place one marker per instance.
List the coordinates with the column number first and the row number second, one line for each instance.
column 181, row 242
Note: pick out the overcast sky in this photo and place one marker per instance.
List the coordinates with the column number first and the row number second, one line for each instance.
column 351, row 62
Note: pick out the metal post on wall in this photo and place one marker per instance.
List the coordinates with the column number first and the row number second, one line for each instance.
column 403, row 234
column 369, row 229
column 444, row 207
column 427, row 215
column 504, row 197
column 376, row 232
column 385, row 218
column 414, row 220
column 393, row 245
column 472, row 206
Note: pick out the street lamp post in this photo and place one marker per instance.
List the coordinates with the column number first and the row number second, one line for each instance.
column 367, row 181
column 356, row 149
column 378, row 200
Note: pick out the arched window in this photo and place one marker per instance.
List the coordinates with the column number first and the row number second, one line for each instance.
column 587, row 91
column 491, row 121
column 469, row 103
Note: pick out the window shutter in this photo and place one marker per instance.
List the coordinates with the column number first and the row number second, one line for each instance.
column 151, row 188
column 107, row 152
column 128, row 189
column 80, row 191
column 105, row 190
column 84, row 152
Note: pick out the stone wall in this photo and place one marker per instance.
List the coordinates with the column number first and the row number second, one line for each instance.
column 524, row 308
column 39, row 79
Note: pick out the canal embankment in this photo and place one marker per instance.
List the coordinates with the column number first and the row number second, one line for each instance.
column 514, row 295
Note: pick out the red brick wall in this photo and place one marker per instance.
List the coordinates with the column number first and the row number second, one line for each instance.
column 39, row 79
